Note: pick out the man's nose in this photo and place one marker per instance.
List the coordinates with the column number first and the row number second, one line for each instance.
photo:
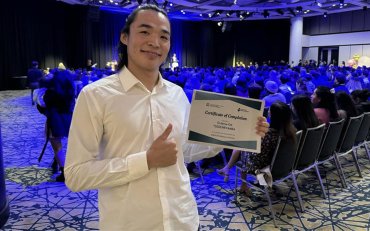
column 154, row 41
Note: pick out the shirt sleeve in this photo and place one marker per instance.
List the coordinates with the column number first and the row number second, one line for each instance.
column 85, row 168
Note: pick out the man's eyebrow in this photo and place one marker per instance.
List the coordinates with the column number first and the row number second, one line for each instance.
column 150, row 27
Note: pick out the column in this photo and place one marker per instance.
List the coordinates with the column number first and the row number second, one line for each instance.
column 295, row 45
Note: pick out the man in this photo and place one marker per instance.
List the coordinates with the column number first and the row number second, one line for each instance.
column 273, row 95
column 127, row 134
column 34, row 75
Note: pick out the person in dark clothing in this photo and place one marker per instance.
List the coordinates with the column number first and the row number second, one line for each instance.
column 59, row 100
column 360, row 98
column 34, row 75
column 346, row 106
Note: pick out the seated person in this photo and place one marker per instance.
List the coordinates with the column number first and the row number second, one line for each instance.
column 303, row 114
column 360, row 98
column 324, row 105
column 346, row 106
column 273, row 95
column 281, row 124
column 339, row 83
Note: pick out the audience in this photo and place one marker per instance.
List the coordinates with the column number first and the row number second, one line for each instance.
column 272, row 84
column 281, row 124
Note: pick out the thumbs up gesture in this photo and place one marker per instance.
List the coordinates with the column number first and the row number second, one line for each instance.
column 163, row 151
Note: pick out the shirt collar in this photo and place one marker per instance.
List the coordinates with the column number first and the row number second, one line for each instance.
column 128, row 80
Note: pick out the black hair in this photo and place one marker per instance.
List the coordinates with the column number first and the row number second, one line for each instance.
column 345, row 102
column 122, row 48
column 281, row 120
column 327, row 101
column 304, row 112
column 361, row 95
column 254, row 91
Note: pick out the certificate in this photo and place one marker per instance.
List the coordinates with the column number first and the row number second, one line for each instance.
column 225, row 121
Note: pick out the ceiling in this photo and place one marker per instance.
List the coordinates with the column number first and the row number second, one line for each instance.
column 232, row 10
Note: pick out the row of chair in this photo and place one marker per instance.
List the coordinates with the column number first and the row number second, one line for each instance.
column 314, row 147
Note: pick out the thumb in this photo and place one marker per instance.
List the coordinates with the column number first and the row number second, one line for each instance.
column 166, row 132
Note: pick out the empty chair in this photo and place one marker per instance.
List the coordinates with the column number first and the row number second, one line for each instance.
column 281, row 168
column 308, row 152
column 347, row 142
column 329, row 145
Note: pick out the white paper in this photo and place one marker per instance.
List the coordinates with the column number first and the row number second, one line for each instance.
column 225, row 121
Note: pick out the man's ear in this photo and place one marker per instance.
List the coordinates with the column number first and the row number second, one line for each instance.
column 124, row 38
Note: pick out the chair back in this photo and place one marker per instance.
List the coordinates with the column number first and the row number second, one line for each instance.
column 284, row 157
column 350, row 133
column 309, row 146
column 330, row 140
column 364, row 128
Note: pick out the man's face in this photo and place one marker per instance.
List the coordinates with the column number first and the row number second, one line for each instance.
column 148, row 42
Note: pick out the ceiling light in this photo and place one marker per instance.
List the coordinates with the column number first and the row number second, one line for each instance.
column 299, row 9
column 325, row 14
column 219, row 24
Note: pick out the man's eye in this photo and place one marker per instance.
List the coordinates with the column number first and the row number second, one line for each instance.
column 164, row 38
column 144, row 32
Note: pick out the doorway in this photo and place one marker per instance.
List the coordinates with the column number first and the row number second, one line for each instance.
column 328, row 55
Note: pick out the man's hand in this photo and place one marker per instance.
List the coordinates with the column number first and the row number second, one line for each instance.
column 163, row 151
column 262, row 126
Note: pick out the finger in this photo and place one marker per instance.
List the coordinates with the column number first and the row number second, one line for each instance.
column 261, row 119
column 166, row 132
column 263, row 124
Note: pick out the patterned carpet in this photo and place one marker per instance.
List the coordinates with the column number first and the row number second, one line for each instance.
column 37, row 202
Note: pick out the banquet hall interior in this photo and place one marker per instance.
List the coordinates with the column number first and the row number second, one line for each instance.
column 280, row 50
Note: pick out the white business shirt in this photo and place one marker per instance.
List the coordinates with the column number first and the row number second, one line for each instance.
column 115, row 121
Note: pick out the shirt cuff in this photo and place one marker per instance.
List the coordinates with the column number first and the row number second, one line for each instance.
column 137, row 164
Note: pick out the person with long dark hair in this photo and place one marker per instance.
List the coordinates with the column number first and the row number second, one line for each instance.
column 128, row 133
column 281, row 124
column 360, row 98
column 324, row 105
column 346, row 106
column 303, row 113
